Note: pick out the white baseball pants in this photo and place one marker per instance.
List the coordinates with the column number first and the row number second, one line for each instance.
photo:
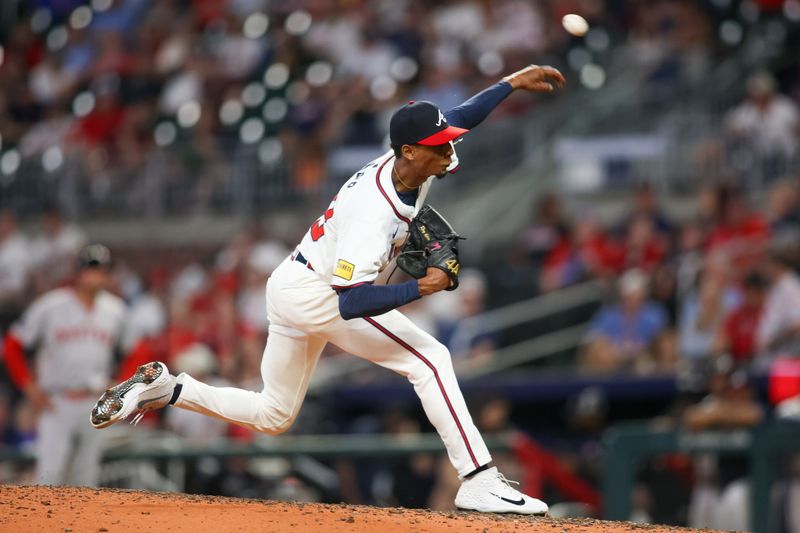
column 304, row 316
column 68, row 449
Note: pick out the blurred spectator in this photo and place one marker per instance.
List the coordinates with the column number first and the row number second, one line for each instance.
column 371, row 58
column 53, row 130
column 546, row 228
column 779, row 329
column 147, row 317
column 454, row 330
column 412, row 478
column 664, row 290
column 236, row 55
column 689, row 257
column 79, row 52
column 740, row 232
column 50, row 81
column 769, row 123
column 645, row 205
column 737, row 336
column 721, row 498
column 621, row 335
column 704, row 309
column 102, row 124
column 513, row 25
column 440, row 87
column 643, row 247
column 585, row 252
column 783, row 206
column 15, row 264
column 55, row 249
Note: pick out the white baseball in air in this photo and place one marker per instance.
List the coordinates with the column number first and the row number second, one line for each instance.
column 575, row 24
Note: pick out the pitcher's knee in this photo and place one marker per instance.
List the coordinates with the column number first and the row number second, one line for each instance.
column 271, row 428
column 435, row 358
column 272, row 419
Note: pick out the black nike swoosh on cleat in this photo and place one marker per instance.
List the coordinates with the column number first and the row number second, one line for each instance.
column 521, row 501
column 141, row 403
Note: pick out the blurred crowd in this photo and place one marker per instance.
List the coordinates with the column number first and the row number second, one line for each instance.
column 174, row 106
column 719, row 281
column 101, row 87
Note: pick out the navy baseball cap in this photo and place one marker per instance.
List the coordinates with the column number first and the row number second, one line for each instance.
column 94, row 255
column 421, row 123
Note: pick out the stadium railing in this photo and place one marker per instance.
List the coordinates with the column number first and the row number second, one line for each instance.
column 625, row 446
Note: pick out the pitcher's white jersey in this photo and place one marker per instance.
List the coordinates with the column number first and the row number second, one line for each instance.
column 362, row 229
column 74, row 343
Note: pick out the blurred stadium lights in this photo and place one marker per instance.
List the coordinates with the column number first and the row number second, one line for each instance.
column 275, row 109
column 10, row 161
column 319, row 73
column 598, row 40
column 297, row 92
column 276, row 75
column 231, row 111
column 731, row 32
column 776, row 31
column 165, row 134
column 101, row 5
column 749, row 11
column 256, row 25
column 383, row 88
column 578, row 57
column 270, row 151
column 52, row 159
column 791, row 10
column 403, row 68
column 253, row 94
column 252, row 130
column 57, row 38
column 83, row 104
column 80, row 18
column 41, row 19
column 189, row 114
column 490, row 63
column 298, row 22
column 593, row 76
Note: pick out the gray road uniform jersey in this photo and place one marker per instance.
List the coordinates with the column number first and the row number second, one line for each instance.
column 74, row 348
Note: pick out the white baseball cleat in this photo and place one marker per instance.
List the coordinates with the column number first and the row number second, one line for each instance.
column 490, row 492
column 150, row 387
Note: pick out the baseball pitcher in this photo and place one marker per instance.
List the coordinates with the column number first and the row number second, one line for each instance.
column 325, row 292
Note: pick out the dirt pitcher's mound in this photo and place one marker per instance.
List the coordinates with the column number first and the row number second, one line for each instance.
column 28, row 509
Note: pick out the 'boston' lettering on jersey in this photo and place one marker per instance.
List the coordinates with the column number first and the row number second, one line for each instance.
column 82, row 333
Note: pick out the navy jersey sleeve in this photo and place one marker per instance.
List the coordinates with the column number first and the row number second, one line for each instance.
column 371, row 300
column 476, row 109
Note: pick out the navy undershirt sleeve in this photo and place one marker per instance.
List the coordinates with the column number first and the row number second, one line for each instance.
column 476, row 109
column 371, row 300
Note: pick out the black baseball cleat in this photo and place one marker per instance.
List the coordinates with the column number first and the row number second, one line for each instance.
column 490, row 492
column 150, row 387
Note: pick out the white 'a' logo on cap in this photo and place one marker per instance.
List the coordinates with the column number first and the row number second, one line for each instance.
column 441, row 118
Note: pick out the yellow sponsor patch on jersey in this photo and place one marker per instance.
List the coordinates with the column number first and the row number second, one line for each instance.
column 344, row 270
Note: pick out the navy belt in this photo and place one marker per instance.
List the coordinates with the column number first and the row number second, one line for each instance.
column 300, row 259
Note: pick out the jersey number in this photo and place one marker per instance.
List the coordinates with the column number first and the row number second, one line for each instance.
column 318, row 227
